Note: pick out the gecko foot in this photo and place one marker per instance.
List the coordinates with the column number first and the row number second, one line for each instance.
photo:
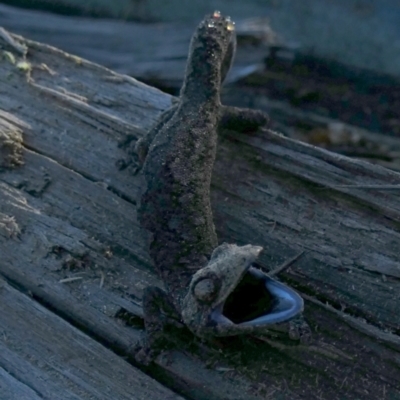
column 144, row 353
column 159, row 312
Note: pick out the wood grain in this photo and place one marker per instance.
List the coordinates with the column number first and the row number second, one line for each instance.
column 50, row 359
column 69, row 236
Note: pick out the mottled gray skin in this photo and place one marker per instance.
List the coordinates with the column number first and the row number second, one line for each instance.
column 178, row 157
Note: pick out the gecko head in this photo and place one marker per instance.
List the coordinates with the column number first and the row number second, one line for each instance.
column 229, row 296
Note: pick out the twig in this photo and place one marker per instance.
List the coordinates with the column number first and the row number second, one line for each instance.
column 101, row 279
column 377, row 187
column 72, row 279
column 19, row 48
column 285, row 265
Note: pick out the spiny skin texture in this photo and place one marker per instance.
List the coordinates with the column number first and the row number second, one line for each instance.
column 178, row 157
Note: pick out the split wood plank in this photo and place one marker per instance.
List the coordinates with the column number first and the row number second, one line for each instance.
column 44, row 357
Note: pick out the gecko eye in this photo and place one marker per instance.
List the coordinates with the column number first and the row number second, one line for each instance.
column 205, row 290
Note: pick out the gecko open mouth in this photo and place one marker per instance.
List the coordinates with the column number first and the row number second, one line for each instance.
column 258, row 300
column 229, row 296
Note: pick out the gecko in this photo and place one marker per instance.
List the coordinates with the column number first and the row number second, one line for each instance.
column 174, row 211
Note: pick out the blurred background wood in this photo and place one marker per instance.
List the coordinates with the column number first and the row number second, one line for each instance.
column 151, row 52
column 361, row 33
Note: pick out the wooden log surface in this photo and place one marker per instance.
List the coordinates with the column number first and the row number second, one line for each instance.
column 44, row 357
column 69, row 236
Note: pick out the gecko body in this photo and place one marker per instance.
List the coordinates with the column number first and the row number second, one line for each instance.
column 177, row 158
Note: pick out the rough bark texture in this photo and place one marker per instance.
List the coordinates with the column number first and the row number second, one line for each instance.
column 69, row 235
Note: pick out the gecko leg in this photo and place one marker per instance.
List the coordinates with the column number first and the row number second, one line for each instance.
column 242, row 119
column 157, row 308
column 143, row 144
column 137, row 150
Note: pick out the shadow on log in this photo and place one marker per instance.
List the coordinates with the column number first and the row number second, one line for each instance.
column 69, row 236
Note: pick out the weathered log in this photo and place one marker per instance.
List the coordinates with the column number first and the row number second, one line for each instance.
column 68, row 233
column 44, row 357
